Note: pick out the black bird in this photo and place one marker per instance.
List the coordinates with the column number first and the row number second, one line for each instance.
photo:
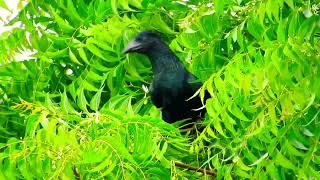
column 172, row 84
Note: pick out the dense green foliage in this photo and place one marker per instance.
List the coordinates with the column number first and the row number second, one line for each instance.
column 79, row 108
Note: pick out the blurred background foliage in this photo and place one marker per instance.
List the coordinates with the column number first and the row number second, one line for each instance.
column 75, row 107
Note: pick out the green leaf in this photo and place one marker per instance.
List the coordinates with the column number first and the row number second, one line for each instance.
column 272, row 171
column 32, row 124
column 272, row 8
column 219, row 6
column 312, row 172
column 218, row 127
column 242, row 174
column 288, row 148
column 210, row 132
column 307, row 132
column 95, row 101
column 240, row 38
column 110, row 168
column 57, row 54
column 209, row 86
column 95, row 77
column 73, row 58
column 160, row 155
column 65, row 104
column 290, row 3
column 255, row 29
column 299, row 145
column 88, row 86
column 157, row 22
column 61, row 22
column 98, row 52
column 83, row 55
column 246, row 85
column 242, row 165
column 221, row 87
column 129, row 107
column 104, row 164
column 102, row 44
column 284, row 162
column 120, row 149
column 72, row 12
column 281, row 31
column 82, row 101
column 4, row 5
column 23, row 167
column 114, row 7
column 293, row 25
column 136, row 3
column 228, row 122
column 234, row 109
column 307, row 27
column 264, row 156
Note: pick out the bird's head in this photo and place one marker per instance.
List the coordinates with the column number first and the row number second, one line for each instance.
column 144, row 42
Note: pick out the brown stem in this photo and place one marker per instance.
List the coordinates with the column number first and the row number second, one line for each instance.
column 197, row 169
column 76, row 173
column 188, row 129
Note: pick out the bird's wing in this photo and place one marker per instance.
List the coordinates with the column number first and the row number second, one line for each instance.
column 155, row 96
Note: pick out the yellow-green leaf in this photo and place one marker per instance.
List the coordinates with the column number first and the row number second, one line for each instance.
column 73, row 58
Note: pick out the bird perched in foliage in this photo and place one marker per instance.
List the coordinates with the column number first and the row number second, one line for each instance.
column 172, row 84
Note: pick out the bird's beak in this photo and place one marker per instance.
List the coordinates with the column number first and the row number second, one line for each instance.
column 132, row 46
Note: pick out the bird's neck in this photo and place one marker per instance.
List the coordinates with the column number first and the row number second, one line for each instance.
column 163, row 59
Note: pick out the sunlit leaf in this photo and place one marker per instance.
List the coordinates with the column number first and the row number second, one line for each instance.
column 283, row 161
column 95, row 101
column 260, row 159
column 62, row 23
column 234, row 109
column 73, row 58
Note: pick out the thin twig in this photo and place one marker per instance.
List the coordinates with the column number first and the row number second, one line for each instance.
column 197, row 169
column 188, row 129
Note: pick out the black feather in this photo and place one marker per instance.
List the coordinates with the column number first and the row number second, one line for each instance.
column 172, row 84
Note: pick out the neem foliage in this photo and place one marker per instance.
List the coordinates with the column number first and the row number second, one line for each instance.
column 80, row 109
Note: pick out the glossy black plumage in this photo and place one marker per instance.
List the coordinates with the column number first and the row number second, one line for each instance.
column 172, row 84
